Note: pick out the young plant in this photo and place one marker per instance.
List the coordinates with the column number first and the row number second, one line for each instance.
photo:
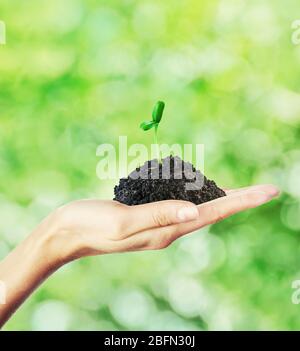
column 156, row 118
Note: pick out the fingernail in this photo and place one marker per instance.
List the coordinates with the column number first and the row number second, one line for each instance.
column 185, row 214
column 273, row 190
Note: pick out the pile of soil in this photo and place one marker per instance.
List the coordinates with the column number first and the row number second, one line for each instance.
column 148, row 184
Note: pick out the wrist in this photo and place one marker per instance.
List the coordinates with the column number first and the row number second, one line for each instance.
column 30, row 263
column 52, row 241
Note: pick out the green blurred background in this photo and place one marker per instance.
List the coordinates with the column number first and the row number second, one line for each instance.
column 78, row 73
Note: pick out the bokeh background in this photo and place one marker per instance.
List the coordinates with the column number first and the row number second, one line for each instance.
column 78, row 73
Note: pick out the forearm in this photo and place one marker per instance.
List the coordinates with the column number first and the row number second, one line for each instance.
column 23, row 270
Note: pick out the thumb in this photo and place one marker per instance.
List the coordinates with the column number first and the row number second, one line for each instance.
column 160, row 214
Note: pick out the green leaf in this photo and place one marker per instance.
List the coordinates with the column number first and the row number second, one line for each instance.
column 158, row 111
column 147, row 125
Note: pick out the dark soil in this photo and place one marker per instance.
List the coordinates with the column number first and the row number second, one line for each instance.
column 140, row 187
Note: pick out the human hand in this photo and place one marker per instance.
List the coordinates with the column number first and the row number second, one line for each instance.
column 92, row 227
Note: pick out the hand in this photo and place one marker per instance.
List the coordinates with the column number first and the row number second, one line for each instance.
column 92, row 227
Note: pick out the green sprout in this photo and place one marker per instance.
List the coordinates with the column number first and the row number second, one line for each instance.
column 156, row 118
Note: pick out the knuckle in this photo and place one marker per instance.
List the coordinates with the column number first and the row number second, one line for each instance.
column 161, row 219
column 216, row 215
column 242, row 200
column 164, row 244
column 123, row 223
column 118, row 227
column 159, row 244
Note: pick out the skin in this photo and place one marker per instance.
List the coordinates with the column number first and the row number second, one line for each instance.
column 94, row 227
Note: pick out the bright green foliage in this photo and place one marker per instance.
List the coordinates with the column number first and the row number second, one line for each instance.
column 78, row 73
column 156, row 118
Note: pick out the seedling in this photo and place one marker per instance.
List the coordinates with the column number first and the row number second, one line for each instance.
column 137, row 189
column 156, row 118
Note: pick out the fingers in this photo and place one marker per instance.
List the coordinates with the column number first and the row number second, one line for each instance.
column 181, row 217
column 209, row 213
column 164, row 213
column 216, row 210
column 267, row 188
column 158, row 214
